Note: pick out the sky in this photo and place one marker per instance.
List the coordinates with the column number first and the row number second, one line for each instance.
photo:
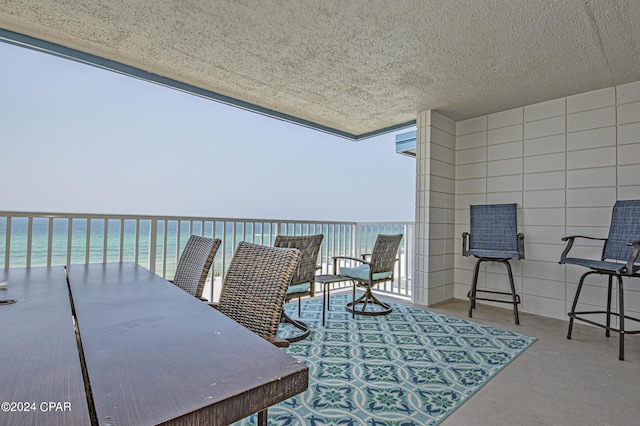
column 78, row 139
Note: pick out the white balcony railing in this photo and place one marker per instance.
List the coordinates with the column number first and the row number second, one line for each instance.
column 155, row 242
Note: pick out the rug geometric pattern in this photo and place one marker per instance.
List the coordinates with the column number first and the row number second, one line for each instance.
column 409, row 368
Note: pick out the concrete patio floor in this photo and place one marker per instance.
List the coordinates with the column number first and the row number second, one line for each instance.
column 556, row 381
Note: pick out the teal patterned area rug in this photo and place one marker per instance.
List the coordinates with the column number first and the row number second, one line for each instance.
column 409, row 368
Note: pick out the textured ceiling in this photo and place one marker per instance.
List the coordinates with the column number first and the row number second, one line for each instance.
column 355, row 66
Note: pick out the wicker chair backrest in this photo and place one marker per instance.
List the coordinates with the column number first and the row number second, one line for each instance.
column 255, row 286
column 309, row 247
column 384, row 252
column 195, row 263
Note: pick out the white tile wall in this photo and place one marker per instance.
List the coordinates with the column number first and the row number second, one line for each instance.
column 471, row 140
column 628, row 92
column 565, row 162
column 471, row 186
column 591, row 100
column 588, row 217
column 628, row 113
column 545, row 163
column 596, row 138
column 552, row 198
column 543, row 270
column 505, row 134
column 544, row 216
column 629, row 192
column 435, row 214
column 629, row 133
column 504, row 184
column 591, row 197
column 550, row 180
column 629, row 154
column 590, row 158
column 505, row 118
column 544, row 288
column 471, row 126
column 504, row 151
column 596, row 177
column 545, row 145
column 469, row 156
column 504, row 197
column 603, row 117
column 544, row 110
column 470, row 171
column 628, row 175
column 546, row 127
column 505, row 167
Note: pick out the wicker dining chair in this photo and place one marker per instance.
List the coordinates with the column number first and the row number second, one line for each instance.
column 618, row 259
column 302, row 283
column 194, row 264
column 493, row 238
column 378, row 269
column 255, row 288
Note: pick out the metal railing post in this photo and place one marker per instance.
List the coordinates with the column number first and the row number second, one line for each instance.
column 153, row 244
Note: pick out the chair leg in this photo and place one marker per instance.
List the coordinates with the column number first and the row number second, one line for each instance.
column 474, row 284
column 473, row 292
column 621, row 314
column 324, row 302
column 365, row 299
column 607, row 330
column 353, row 300
column 297, row 324
column 513, row 291
column 572, row 314
column 377, row 301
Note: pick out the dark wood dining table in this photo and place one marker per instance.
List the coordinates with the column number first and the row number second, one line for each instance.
column 151, row 353
column 38, row 351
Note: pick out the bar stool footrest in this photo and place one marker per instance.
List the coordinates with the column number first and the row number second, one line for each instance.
column 505, row 293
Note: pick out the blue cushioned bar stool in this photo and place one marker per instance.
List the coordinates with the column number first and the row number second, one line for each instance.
column 493, row 238
column 619, row 256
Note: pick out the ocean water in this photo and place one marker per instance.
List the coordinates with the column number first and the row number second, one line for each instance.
column 118, row 238
column 74, row 250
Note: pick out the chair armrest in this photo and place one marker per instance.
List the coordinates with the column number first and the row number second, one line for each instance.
column 279, row 342
column 633, row 256
column 570, row 239
column 520, row 238
column 352, row 258
column 214, row 305
column 335, row 264
column 465, row 243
